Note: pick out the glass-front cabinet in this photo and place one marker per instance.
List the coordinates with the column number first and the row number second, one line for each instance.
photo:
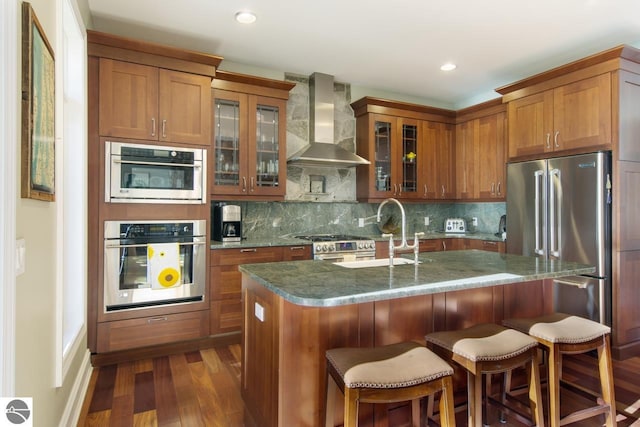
column 395, row 151
column 249, row 152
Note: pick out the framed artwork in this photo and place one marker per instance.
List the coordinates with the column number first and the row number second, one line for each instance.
column 38, row 110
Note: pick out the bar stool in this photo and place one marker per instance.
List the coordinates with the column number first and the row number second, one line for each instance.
column 387, row 374
column 488, row 349
column 561, row 333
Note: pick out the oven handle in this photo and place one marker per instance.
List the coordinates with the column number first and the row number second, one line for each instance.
column 144, row 245
column 184, row 165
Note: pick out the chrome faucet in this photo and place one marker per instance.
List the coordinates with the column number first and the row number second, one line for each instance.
column 403, row 228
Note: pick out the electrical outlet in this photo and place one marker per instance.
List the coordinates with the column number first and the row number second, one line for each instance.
column 426, row 220
column 474, row 221
column 360, row 222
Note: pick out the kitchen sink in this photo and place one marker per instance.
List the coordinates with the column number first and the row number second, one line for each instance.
column 382, row 262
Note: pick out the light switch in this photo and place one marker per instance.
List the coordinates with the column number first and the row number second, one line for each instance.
column 21, row 255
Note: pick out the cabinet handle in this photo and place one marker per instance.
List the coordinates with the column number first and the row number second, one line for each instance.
column 399, row 190
column 249, row 250
column 493, row 188
column 153, row 126
column 425, row 190
column 251, row 185
column 296, row 248
column 443, row 191
column 499, row 188
column 164, row 128
column 444, row 245
column 244, row 184
column 548, row 140
column 489, row 243
column 555, row 139
column 157, row 319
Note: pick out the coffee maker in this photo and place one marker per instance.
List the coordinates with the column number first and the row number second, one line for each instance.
column 227, row 223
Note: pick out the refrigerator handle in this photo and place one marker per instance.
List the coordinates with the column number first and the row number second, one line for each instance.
column 538, row 177
column 555, row 212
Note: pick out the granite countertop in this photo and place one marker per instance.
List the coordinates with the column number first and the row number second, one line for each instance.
column 292, row 241
column 323, row 284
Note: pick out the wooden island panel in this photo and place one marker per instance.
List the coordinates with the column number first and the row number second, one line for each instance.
column 284, row 377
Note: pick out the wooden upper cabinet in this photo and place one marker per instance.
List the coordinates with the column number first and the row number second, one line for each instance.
column 249, row 152
column 568, row 118
column 144, row 102
column 438, row 170
column 481, row 152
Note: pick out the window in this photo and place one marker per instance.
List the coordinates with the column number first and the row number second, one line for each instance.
column 71, row 188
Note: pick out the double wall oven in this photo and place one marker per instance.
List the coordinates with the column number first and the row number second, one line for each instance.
column 129, row 281
column 341, row 247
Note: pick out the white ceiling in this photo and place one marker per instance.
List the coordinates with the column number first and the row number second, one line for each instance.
column 393, row 46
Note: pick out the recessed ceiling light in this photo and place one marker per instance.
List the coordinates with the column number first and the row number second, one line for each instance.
column 448, row 67
column 245, row 17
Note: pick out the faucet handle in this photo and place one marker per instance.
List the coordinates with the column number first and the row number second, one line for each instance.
column 389, row 235
column 418, row 234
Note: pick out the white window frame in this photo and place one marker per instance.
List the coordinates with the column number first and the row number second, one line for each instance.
column 9, row 104
column 71, row 186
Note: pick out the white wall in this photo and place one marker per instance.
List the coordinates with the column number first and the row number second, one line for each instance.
column 35, row 290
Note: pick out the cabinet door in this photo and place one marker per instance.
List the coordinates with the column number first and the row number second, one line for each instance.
column 229, row 143
column 466, row 162
column 410, row 158
column 296, row 253
column 491, row 157
column 582, row 113
column 531, row 125
column 266, row 168
column 438, row 171
column 383, row 130
column 128, row 101
column 185, row 107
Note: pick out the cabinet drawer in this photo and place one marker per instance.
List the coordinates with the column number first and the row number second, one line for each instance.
column 245, row 255
column 296, row 253
column 132, row 333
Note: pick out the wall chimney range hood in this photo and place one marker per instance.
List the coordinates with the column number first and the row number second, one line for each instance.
column 323, row 152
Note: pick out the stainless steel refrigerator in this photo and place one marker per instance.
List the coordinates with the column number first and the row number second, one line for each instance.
column 560, row 209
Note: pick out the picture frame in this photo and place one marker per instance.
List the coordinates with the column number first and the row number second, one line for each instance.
column 38, row 110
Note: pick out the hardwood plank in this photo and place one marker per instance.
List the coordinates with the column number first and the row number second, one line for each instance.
column 145, row 419
column 208, row 396
column 193, row 356
column 144, row 392
column 188, row 405
column 98, row 419
column 103, row 393
column 125, row 380
column 166, row 403
column 122, row 411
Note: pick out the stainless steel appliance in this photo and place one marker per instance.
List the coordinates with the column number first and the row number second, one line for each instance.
column 139, row 173
column 340, row 247
column 560, row 209
column 227, row 223
column 126, row 265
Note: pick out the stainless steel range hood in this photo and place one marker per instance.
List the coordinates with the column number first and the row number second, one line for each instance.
column 323, row 152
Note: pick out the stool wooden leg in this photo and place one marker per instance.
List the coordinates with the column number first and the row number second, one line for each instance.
column 330, row 406
column 474, row 399
column 555, row 364
column 606, row 380
column 447, row 411
column 415, row 412
column 351, row 397
column 535, row 392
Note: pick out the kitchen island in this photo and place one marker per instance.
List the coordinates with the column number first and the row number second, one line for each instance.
column 294, row 311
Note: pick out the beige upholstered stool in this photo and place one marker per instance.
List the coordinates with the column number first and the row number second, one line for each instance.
column 487, row 349
column 393, row 373
column 561, row 333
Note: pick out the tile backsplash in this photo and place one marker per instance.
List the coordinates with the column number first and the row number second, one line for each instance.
column 284, row 219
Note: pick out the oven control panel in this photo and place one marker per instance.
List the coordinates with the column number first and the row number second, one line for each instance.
column 344, row 246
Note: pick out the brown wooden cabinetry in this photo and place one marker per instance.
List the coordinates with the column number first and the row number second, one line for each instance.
column 226, row 280
column 480, row 152
column 410, row 148
column 249, row 155
column 570, row 117
column 143, row 102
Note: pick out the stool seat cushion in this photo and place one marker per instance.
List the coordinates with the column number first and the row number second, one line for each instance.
column 392, row 366
column 484, row 342
column 560, row 328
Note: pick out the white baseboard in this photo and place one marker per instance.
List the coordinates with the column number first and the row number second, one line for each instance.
column 72, row 410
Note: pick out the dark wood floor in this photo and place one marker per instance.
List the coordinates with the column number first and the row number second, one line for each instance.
column 202, row 388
